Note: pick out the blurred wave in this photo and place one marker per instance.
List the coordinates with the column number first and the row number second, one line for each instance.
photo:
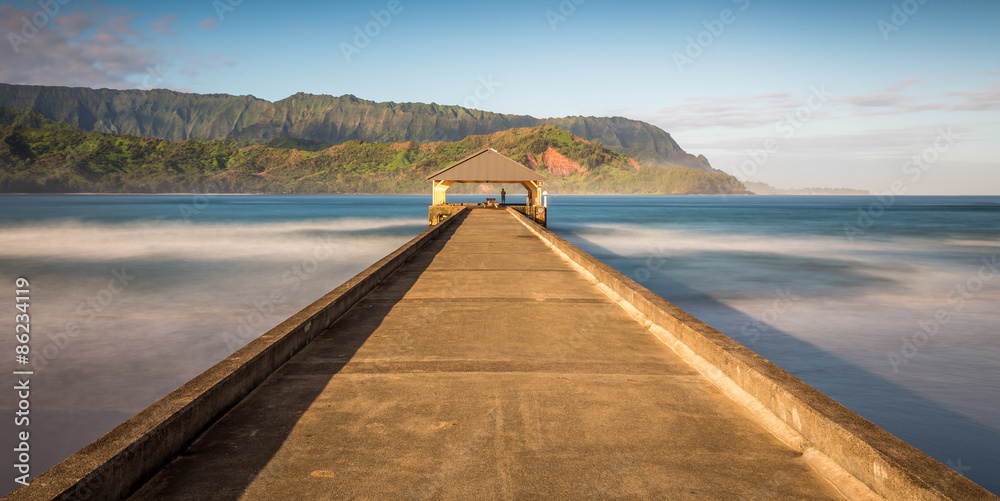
column 775, row 273
column 146, row 240
column 779, row 275
column 126, row 309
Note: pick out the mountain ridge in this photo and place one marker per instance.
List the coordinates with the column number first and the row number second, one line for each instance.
column 38, row 155
column 177, row 116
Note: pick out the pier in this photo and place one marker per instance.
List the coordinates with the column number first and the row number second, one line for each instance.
column 490, row 359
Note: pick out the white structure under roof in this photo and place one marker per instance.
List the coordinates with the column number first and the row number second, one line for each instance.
column 487, row 166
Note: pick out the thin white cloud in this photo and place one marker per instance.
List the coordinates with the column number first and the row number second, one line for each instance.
column 736, row 112
column 765, row 110
column 778, row 97
column 901, row 85
column 879, row 100
column 162, row 24
column 979, row 100
column 887, row 148
column 209, row 23
column 897, row 103
column 218, row 59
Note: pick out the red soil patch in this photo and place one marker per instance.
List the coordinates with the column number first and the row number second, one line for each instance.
column 634, row 163
column 531, row 160
column 559, row 165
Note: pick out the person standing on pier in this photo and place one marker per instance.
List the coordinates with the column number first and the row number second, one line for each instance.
column 503, row 196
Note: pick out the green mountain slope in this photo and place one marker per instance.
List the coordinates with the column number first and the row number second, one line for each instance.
column 177, row 116
column 47, row 156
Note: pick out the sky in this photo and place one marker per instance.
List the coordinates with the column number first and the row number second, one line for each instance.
column 887, row 96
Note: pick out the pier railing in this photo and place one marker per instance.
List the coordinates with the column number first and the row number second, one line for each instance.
column 115, row 465
column 863, row 460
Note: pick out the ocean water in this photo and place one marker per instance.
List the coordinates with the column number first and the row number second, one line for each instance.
column 888, row 306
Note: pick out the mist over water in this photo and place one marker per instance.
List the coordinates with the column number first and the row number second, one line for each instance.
column 134, row 295
column 130, row 299
column 784, row 277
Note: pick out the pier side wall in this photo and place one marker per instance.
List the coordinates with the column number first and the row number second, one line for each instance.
column 858, row 456
column 113, row 466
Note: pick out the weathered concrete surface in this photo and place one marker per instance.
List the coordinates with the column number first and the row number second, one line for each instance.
column 487, row 368
column 862, row 459
column 114, row 465
column 438, row 213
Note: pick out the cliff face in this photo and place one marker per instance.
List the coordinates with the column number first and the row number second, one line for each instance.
column 40, row 155
column 177, row 116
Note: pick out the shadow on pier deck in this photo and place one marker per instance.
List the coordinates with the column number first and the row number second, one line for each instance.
column 488, row 358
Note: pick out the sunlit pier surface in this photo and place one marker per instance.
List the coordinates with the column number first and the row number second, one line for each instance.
column 490, row 359
column 486, row 366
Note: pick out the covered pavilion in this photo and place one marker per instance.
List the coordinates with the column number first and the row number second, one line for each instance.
column 486, row 166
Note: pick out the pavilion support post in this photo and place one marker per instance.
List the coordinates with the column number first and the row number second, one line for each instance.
column 440, row 189
column 534, row 192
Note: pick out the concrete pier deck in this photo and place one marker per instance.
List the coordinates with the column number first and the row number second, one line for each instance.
column 486, row 367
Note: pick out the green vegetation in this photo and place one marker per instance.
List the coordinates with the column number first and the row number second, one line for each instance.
column 40, row 155
column 312, row 122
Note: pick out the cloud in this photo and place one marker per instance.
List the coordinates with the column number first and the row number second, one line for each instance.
column 94, row 49
column 878, row 100
column 162, row 24
column 75, row 24
column 888, row 144
column 902, row 84
column 209, row 23
column 897, row 103
column 887, row 147
column 738, row 112
column 765, row 110
column 984, row 100
column 217, row 57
